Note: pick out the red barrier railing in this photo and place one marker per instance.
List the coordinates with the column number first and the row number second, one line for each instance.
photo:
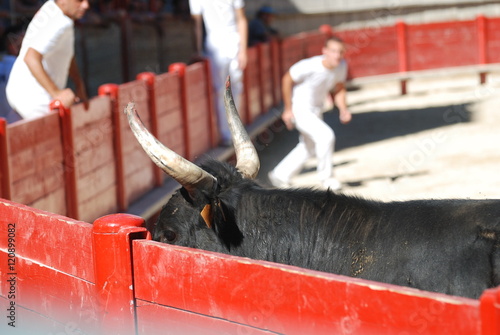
column 110, row 277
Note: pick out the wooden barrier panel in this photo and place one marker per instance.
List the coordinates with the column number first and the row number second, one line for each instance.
column 60, row 275
column 168, row 101
column 138, row 169
column 492, row 40
column 209, row 289
column 314, row 42
column 94, row 159
column 36, row 163
column 277, row 72
column 267, row 83
column 46, row 266
column 4, row 161
column 445, row 44
column 199, row 117
column 251, row 86
column 292, row 50
column 371, row 52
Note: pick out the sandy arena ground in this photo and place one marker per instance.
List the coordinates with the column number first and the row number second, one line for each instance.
column 441, row 140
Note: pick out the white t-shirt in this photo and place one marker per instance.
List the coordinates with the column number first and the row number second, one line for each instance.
column 51, row 33
column 313, row 81
column 220, row 23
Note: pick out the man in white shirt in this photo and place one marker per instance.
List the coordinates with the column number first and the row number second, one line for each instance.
column 40, row 73
column 305, row 87
column 225, row 46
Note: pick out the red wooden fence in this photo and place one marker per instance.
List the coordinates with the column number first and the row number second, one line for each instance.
column 59, row 274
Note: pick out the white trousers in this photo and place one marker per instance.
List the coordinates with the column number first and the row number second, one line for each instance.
column 316, row 139
column 222, row 66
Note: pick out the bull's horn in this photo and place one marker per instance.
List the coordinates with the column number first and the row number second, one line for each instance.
column 183, row 171
column 247, row 160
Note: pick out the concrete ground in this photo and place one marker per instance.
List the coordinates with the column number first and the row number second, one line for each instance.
column 441, row 140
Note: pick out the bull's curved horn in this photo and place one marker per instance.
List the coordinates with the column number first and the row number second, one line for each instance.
column 247, row 160
column 183, row 171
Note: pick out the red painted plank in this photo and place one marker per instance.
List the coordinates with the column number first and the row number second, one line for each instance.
column 4, row 161
column 49, row 239
column 291, row 300
column 31, row 322
column 138, row 168
column 444, row 44
column 154, row 319
column 252, row 86
column 493, row 40
column 198, row 110
column 169, row 108
column 266, row 77
column 292, row 50
column 36, row 163
column 314, row 43
column 57, row 297
column 371, row 51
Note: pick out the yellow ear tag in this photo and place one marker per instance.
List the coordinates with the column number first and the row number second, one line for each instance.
column 206, row 214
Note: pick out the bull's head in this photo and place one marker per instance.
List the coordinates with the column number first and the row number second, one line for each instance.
column 202, row 209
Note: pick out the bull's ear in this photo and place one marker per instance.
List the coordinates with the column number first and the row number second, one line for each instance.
column 224, row 224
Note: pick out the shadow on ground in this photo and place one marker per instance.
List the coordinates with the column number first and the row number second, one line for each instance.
column 364, row 128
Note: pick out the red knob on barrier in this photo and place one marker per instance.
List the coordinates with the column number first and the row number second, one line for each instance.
column 148, row 77
column 113, row 222
column 57, row 105
column 108, row 90
column 326, row 29
column 177, row 67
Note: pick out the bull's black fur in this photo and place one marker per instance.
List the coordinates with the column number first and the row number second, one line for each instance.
column 447, row 246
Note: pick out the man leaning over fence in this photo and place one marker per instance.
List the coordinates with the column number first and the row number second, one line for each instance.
column 46, row 59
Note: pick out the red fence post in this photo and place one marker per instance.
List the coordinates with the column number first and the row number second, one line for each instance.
column 4, row 161
column 482, row 39
column 490, row 311
column 180, row 69
column 111, row 90
column 112, row 237
column 149, row 79
column 326, row 29
column 69, row 157
column 402, row 52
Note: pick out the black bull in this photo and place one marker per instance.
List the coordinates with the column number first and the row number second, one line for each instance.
column 447, row 246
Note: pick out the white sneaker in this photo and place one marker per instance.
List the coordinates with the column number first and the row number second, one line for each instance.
column 332, row 184
column 276, row 182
